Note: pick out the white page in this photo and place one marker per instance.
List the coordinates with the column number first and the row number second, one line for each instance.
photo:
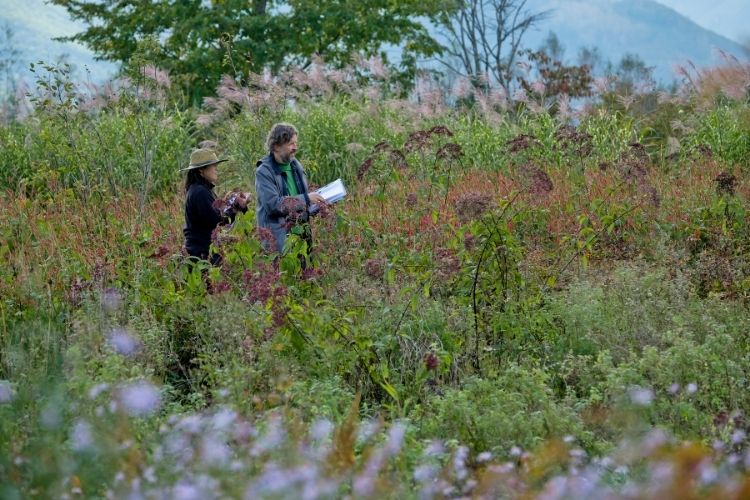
column 332, row 192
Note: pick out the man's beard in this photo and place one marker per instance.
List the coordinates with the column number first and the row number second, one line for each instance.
column 286, row 158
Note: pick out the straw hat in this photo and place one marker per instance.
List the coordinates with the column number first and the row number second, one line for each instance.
column 202, row 158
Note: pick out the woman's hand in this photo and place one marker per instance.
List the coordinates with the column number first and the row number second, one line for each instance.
column 241, row 201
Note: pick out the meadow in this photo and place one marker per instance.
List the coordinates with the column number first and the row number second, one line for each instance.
column 516, row 299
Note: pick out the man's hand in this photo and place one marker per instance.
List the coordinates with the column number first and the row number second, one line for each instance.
column 316, row 198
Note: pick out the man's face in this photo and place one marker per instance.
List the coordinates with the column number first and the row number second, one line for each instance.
column 285, row 152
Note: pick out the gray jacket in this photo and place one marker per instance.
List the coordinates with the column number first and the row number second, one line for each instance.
column 270, row 191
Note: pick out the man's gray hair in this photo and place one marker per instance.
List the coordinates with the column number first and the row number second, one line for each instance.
column 280, row 134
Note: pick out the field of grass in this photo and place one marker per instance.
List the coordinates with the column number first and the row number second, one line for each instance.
column 510, row 302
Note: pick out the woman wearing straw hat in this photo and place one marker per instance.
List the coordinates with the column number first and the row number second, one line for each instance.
column 201, row 217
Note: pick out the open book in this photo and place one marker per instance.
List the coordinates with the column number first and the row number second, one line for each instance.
column 333, row 192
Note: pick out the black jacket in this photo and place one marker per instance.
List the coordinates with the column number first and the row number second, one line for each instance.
column 201, row 218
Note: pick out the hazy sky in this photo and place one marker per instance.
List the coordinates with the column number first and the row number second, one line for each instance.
column 725, row 17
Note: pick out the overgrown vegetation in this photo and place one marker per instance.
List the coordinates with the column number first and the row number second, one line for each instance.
column 510, row 301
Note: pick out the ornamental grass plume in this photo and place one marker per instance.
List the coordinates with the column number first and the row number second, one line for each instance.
column 158, row 76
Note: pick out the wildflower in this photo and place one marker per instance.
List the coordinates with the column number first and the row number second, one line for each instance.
column 425, row 473
column 214, row 451
column 364, row 168
column 81, row 437
column 434, row 449
column 459, row 463
column 140, row 398
column 395, row 438
column 321, row 430
column 374, row 268
column 122, row 342
column 223, row 419
column 738, row 436
column 522, row 142
column 221, row 287
column 674, row 388
column 640, row 396
column 161, row 251
column 450, row 151
column 97, row 389
column 6, row 392
column 472, row 205
column 725, row 183
column 431, row 361
column 691, row 388
column 111, row 299
column 273, row 438
column 485, row 456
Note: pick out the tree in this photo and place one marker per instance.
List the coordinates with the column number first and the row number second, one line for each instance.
column 199, row 40
column 484, row 37
column 10, row 57
column 556, row 77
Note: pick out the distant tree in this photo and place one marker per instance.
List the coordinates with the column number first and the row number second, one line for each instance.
column 549, row 77
column 484, row 38
column 10, row 59
column 632, row 76
column 591, row 57
column 198, row 41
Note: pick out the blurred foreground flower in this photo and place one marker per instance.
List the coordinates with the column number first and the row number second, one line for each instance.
column 111, row 299
column 640, row 396
column 140, row 398
column 6, row 392
column 123, row 342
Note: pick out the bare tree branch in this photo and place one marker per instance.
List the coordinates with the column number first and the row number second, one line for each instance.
column 484, row 38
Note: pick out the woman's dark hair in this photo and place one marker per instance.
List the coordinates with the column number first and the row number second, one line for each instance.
column 280, row 134
column 194, row 177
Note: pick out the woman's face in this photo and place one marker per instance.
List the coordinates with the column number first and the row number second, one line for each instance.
column 210, row 173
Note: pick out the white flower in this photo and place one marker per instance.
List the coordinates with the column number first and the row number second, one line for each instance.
column 691, row 388
column 140, row 398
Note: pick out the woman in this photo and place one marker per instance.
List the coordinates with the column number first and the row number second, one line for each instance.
column 201, row 217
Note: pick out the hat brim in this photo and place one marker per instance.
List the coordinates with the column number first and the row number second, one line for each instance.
column 205, row 164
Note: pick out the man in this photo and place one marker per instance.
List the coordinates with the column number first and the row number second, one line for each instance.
column 281, row 186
